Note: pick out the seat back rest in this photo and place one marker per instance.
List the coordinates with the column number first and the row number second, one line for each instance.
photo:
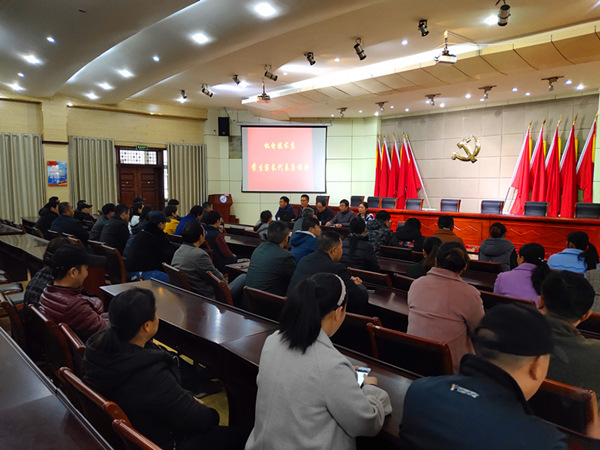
column 490, row 300
column 353, row 333
column 76, row 347
column 389, row 202
column 134, row 440
column 356, row 200
column 485, row 266
column 402, row 282
column 264, row 303
column 374, row 202
column 177, row 277
column 536, row 209
column 587, row 210
column 492, row 206
column 115, row 267
column 324, row 198
column 452, row 205
column 222, row 292
column 17, row 327
column 379, row 279
column 388, row 251
column 414, row 204
column 591, row 324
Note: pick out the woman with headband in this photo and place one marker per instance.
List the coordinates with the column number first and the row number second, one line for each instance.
column 308, row 395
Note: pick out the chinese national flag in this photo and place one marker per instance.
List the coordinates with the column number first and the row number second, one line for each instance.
column 378, row 166
column 402, row 177
column 537, row 173
column 414, row 181
column 567, row 177
column 520, row 179
column 585, row 166
column 394, row 172
column 553, row 175
column 385, row 170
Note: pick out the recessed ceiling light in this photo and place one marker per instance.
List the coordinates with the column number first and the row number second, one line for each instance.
column 265, row 9
column 482, row 99
column 404, row 42
column 50, row 39
column 31, row 59
column 337, row 59
column 200, row 38
column 156, row 58
column 376, row 113
column 468, row 95
column 181, row 100
column 92, row 96
column 105, row 86
column 125, row 73
column 360, row 111
column 69, row 104
column 407, row 110
column 579, row 87
column 515, row 89
column 332, row 115
column 491, row 20
column 442, row 105
column 21, row 74
column 527, row 94
column 16, row 87
column 243, row 84
column 284, row 74
column 568, row 82
column 391, row 106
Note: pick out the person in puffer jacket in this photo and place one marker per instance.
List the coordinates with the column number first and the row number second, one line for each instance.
column 498, row 249
column 409, row 235
column 378, row 230
column 304, row 242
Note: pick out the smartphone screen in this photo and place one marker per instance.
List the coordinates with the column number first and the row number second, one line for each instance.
column 361, row 373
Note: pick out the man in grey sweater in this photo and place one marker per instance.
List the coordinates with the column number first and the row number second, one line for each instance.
column 343, row 217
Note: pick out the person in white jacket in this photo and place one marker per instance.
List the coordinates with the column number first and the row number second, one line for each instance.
column 308, row 395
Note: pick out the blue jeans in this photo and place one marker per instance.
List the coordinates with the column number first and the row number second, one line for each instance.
column 158, row 274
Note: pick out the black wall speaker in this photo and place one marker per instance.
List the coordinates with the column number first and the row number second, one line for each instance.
column 223, row 126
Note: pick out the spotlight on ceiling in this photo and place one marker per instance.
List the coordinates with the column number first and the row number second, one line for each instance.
column 264, row 97
column 205, row 91
column 431, row 98
column 359, row 50
column 380, row 104
column 423, row 27
column 551, row 81
column 341, row 110
column 311, row 57
column 485, row 90
column 183, row 94
column 504, row 13
column 236, row 79
column 270, row 75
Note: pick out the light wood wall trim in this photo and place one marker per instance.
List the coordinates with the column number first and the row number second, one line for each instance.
column 20, row 100
column 141, row 113
column 55, row 142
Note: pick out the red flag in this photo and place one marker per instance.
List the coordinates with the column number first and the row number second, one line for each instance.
column 377, row 171
column 414, row 182
column 537, row 172
column 394, row 172
column 402, row 177
column 567, row 177
column 585, row 166
column 385, row 170
column 553, row 175
column 520, row 179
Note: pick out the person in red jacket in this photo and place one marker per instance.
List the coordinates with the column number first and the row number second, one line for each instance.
column 64, row 300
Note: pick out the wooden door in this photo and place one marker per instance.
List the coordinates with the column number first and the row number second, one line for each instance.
column 145, row 181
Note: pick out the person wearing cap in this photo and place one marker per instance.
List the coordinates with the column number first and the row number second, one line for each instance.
column 108, row 211
column 64, row 300
column 568, row 298
column 82, row 213
column 498, row 249
column 65, row 223
column 485, row 406
column 48, row 214
column 116, row 231
column 195, row 212
column 42, row 277
column 222, row 255
column 150, row 248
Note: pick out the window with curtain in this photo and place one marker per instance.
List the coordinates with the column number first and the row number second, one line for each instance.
column 186, row 169
column 22, row 174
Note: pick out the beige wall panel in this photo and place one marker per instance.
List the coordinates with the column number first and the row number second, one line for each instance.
column 339, row 147
column 20, row 117
column 57, row 152
column 54, row 113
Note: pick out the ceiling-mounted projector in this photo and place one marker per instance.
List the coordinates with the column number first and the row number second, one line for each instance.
column 263, row 98
column 446, row 58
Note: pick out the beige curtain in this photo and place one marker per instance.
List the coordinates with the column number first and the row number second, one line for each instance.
column 93, row 171
column 22, row 174
column 186, row 167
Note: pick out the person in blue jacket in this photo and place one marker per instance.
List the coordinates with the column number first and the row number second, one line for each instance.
column 304, row 241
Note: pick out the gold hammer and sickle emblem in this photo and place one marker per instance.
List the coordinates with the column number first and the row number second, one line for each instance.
column 471, row 155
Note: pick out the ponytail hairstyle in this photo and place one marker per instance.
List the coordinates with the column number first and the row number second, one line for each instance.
column 581, row 241
column 431, row 245
column 357, row 226
column 534, row 253
column 308, row 303
column 497, row 230
column 128, row 311
column 452, row 256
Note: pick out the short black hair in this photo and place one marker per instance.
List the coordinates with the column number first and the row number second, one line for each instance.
column 327, row 240
column 309, row 222
column 192, row 232
column 446, row 222
column 108, row 208
column 265, row 216
column 345, row 202
column 212, row 217
column 63, row 207
column 285, row 199
column 170, row 210
column 129, row 310
column 357, row 225
column 277, row 231
column 413, row 222
column 323, row 203
column 382, row 215
column 497, row 230
column 306, row 197
column 120, row 209
column 567, row 294
column 196, row 211
column 173, row 202
column 206, row 205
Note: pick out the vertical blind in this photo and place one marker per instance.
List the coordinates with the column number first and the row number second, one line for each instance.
column 187, row 174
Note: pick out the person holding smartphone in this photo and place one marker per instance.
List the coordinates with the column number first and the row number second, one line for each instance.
column 306, row 387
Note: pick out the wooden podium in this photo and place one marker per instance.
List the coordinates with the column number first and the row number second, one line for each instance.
column 221, row 203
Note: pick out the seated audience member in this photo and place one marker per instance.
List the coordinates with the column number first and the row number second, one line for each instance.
column 593, row 276
column 285, row 211
column 139, row 199
column 63, row 300
column 194, row 261
column 525, row 280
column 135, row 229
column 108, row 211
column 431, row 246
column 326, row 260
column 124, row 365
column 195, row 212
column 115, row 233
column 206, row 208
column 568, row 298
column 305, row 386
column 135, row 213
column 442, row 307
column 498, row 249
column 343, row 217
column 485, row 406
column 271, row 265
column 409, row 235
column 222, row 255
column 150, row 248
column 304, row 200
column 306, row 212
column 48, row 214
column 66, row 224
column 357, row 251
column 579, row 256
column 174, row 202
column 172, row 219
column 304, row 241
column 82, row 213
column 378, row 230
column 364, row 213
column 445, row 230
column 324, row 214
column 266, row 217
column 40, row 280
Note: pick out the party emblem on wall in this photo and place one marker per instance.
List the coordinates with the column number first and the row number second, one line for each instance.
column 471, row 154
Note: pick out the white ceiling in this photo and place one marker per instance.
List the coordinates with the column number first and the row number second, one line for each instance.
column 96, row 39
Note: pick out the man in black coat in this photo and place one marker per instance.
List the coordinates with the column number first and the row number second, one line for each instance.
column 108, row 211
column 65, row 223
column 48, row 214
column 83, row 211
column 116, row 232
column 326, row 260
